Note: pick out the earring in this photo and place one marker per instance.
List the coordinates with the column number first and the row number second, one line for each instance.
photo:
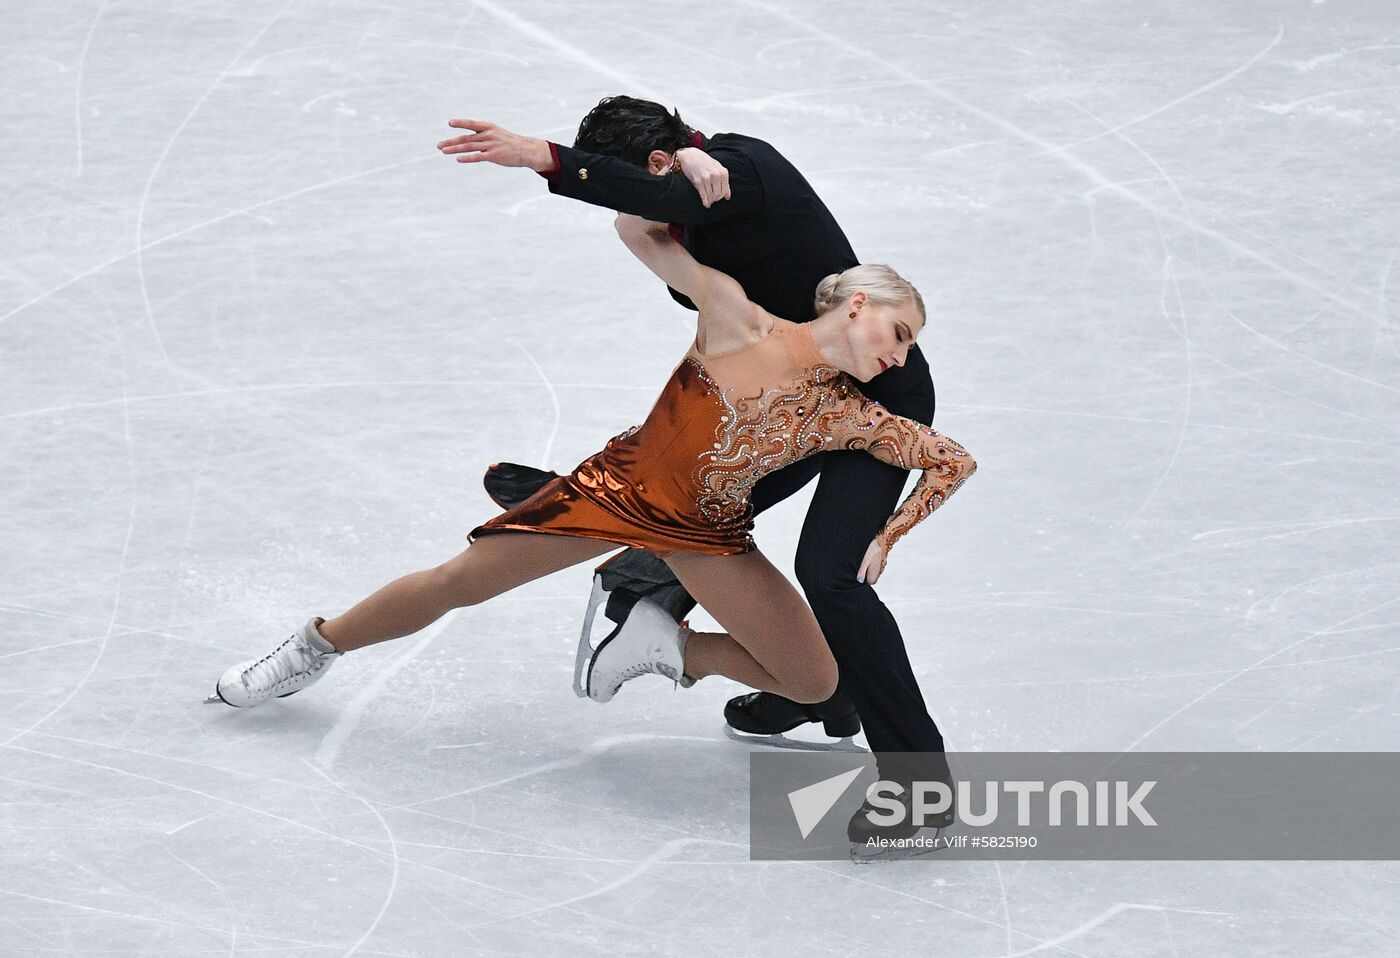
column 853, row 314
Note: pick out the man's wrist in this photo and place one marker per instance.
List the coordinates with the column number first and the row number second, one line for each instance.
column 544, row 159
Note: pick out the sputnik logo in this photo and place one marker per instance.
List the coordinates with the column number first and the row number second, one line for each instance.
column 810, row 804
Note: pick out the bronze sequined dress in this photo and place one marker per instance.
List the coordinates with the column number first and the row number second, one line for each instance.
column 681, row 481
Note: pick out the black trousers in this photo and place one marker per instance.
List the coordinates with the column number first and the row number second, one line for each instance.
column 855, row 495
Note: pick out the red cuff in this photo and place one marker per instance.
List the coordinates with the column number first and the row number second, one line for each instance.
column 552, row 174
column 677, row 231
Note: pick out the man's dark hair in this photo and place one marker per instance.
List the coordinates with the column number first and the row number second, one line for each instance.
column 629, row 129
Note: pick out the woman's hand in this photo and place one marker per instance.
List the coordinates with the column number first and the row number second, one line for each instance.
column 706, row 174
column 873, row 564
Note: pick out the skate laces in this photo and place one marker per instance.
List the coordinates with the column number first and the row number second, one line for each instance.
column 285, row 662
column 644, row 668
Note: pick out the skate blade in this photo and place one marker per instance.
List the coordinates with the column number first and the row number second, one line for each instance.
column 863, row 855
column 779, row 740
column 585, row 638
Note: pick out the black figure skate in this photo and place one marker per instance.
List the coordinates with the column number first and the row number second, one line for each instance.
column 900, row 841
column 761, row 718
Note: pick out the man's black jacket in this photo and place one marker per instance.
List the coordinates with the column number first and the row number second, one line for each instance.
column 774, row 235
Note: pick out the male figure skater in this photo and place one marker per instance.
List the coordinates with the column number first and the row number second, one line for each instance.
column 767, row 228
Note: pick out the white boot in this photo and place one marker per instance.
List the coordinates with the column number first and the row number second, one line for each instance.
column 289, row 668
column 649, row 641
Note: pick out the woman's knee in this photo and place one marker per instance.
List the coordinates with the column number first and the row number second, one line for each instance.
column 816, row 683
column 811, row 676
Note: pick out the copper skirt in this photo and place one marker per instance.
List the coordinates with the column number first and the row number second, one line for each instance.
column 560, row 508
column 642, row 489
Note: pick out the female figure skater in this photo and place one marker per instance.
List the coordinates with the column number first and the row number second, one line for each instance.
column 753, row 394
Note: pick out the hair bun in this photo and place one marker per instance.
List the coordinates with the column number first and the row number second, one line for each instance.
column 879, row 283
column 828, row 292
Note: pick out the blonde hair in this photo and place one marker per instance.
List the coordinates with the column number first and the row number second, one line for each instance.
column 880, row 283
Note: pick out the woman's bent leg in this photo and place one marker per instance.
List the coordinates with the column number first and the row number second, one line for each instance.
column 772, row 642
column 491, row 565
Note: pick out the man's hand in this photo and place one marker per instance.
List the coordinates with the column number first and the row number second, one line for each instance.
column 490, row 143
column 706, row 174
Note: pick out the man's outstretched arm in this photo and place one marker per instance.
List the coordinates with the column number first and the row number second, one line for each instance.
column 618, row 185
column 608, row 181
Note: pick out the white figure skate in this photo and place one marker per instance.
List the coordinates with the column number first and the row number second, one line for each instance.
column 298, row 662
column 649, row 641
column 584, row 655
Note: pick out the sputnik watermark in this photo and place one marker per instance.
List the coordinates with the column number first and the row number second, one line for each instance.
column 891, row 809
column 810, row 804
column 1065, row 806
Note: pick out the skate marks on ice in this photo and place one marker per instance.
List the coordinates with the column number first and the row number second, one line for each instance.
column 151, row 179
column 349, row 719
column 78, row 85
column 391, row 857
column 388, row 834
column 1118, row 128
column 1084, row 168
column 1207, row 693
column 1118, row 908
column 120, row 574
column 585, row 755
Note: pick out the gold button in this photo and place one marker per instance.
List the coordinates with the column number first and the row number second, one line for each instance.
column 583, row 173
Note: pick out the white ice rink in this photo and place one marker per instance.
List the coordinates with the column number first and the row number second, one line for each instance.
column 259, row 340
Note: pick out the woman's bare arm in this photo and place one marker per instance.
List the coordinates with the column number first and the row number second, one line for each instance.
column 720, row 299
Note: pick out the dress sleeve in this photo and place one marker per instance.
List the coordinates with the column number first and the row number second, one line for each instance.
column 863, row 424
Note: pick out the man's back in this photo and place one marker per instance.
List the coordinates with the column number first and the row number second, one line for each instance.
column 775, row 235
column 781, row 250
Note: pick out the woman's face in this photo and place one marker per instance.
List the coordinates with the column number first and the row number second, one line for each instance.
column 881, row 336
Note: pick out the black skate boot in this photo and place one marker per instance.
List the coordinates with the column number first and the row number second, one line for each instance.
column 904, row 839
column 761, row 718
column 509, row 484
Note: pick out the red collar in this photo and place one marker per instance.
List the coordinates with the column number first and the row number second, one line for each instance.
column 697, row 139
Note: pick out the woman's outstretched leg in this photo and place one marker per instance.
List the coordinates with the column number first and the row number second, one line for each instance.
column 772, row 641
column 490, row 566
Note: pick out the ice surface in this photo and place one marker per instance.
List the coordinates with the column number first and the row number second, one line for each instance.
column 258, row 341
